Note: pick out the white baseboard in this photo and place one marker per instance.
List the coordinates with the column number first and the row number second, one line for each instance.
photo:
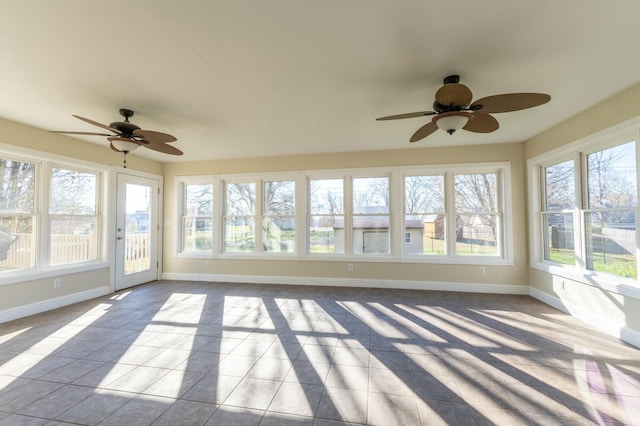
column 47, row 305
column 347, row 282
column 603, row 324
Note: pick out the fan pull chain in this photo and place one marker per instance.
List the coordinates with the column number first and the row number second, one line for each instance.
column 125, row 158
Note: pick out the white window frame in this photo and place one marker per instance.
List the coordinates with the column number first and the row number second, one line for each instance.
column 396, row 213
column 44, row 162
column 46, row 224
column 577, row 151
column 180, row 184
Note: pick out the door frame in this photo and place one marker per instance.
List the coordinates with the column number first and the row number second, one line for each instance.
column 112, row 198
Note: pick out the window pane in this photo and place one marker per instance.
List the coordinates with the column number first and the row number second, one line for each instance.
column 73, row 239
column 239, row 234
column 280, row 198
column 371, row 195
column 425, row 234
column 17, row 248
column 476, row 224
column 17, row 187
column 241, row 199
column 198, row 200
column 326, row 234
column 424, row 220
column 611, row 242
column 197, row 234
column 476, row 193
column 371, row 234
column 326, row 196
column 424, row 194
column 326, row 216
column 476, row 234
column 560, row 186
column 611, row 178
column 278, row 234
column 559, row 242
column 72, row 192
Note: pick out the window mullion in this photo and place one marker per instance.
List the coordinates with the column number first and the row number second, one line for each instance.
column 450, row 214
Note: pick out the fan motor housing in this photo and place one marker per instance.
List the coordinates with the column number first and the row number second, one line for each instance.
column 125, row 127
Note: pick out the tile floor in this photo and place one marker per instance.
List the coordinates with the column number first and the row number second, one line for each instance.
column 186, row 353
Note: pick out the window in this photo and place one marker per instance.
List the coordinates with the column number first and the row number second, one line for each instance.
column 279, row 216
column 610, row 214
column 558, row 212
column 50, row 214
column 370, row 222
column 73, row 216
column 445, row 214
column 326, row 216
column 17, row 215
column 197, row 217
column 240, row 218
column 476, row 214
column 424, row 214
column 585, row 201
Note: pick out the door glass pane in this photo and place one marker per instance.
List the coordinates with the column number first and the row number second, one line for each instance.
column 137, row 232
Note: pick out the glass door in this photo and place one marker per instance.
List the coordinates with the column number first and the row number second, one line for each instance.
column 136, row 231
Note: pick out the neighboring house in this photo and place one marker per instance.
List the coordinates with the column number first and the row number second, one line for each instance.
column 372, row 236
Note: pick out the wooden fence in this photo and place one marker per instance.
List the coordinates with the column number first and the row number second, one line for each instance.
column 69, row 248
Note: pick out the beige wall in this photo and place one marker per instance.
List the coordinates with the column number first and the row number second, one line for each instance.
column 582, row 298
column 501, row 275
column 32, row 294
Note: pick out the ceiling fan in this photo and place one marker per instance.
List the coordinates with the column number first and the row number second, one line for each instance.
column 126, row 137
column 453, row 109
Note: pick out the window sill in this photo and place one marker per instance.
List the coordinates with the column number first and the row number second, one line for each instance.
column 623, row 286
column 14, row 277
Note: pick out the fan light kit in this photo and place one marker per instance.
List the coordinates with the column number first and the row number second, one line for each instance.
column 126, row 137
column 453, row 109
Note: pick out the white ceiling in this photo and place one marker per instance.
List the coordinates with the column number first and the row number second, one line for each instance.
column 241, row 78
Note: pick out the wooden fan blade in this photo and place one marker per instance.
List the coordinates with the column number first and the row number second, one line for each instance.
column 509, row 102
column 95, row 123
column 454, row 94
column 482, row 123
column 81, row 133
column 151, row 136
column 162, row 147
column 407, row 115
column 424, row 131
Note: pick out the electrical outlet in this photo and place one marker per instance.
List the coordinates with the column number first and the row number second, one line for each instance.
column 350, row 267
column 56, row 283
column 482, row 270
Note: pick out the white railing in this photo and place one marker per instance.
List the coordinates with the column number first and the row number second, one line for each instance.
column 68, row 248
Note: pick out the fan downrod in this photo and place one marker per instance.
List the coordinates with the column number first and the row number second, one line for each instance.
column 451, row 79
column 126, row 113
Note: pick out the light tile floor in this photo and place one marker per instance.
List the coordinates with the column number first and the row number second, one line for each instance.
column 185, row 353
